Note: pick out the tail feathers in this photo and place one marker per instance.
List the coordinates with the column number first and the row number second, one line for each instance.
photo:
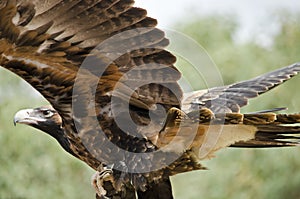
column 273, row 136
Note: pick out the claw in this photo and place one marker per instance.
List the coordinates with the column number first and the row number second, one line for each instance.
column 103, row 174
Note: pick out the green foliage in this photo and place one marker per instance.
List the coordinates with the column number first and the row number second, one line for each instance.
column 32, row 165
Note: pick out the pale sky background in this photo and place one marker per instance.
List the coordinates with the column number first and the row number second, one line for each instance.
column 254, row 16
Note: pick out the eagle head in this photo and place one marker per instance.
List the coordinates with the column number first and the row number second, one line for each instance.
column 43, row 118
column 46, row 119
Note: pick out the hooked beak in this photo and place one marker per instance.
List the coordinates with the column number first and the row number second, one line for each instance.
column 25, row 117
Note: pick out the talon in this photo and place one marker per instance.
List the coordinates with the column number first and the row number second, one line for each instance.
column 174, row 117
column 104, row 174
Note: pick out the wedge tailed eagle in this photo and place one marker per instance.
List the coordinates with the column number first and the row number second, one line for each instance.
column 115, row 99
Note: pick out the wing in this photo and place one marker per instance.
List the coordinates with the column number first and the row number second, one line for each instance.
column 216, row 131
column 50, row 40
column 101, row 46
column 232, row 97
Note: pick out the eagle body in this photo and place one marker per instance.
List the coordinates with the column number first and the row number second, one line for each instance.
column 115, row 98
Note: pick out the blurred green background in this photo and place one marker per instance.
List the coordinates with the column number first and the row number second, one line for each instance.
column 32, row 165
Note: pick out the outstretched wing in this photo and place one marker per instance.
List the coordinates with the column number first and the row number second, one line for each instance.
column 53, row 45
column 213, row 132
column 231, row 98
column 50, row 40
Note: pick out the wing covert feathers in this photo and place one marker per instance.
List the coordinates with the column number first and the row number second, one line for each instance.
column 46, row 42
column 52, row 39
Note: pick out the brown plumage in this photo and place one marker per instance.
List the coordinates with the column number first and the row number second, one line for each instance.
column 103, row 67
column 42, row 42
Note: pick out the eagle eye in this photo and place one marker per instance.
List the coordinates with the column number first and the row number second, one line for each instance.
column 47, row 113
